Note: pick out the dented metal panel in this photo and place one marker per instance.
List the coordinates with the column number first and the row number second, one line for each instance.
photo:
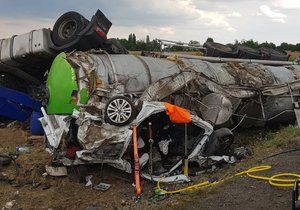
column 16, row 50
column 134, row 71
column 215, row 71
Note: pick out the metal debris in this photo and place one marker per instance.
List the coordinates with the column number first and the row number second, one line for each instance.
column 56, row 171
column 102, row 186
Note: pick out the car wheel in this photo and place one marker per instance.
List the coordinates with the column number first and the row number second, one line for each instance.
column 119, row 111
column 67, row 27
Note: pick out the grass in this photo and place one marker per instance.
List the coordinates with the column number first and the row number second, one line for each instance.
column 281, row 138
column 294, row 55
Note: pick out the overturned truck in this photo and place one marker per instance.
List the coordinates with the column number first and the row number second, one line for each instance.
column 94, row 97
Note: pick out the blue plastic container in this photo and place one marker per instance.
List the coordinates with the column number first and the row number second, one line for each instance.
column 36, row 127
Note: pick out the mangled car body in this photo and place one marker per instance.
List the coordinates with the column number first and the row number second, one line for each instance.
column 94, row 96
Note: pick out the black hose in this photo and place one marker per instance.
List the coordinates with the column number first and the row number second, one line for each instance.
column 281, row 153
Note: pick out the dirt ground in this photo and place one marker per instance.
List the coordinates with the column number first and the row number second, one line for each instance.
column 23, row 182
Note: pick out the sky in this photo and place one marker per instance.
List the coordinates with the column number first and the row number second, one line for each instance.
column 274, row 21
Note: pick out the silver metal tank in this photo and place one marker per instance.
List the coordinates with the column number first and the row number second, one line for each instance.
column 137, row 73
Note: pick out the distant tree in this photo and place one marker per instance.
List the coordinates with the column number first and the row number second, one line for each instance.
column 268, row 45
column 209, row 39
column 250, row 43
column 154, row 46
column 124, row 43
column 133, row 39
column 236, row 42
column 130, row 38
column 286, row 46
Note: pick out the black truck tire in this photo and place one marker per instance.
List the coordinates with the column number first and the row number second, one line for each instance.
column 9, row 81
column 220, row 142
column 271, row 54
column 246, row 52
column 67, row 27
column 214, row 49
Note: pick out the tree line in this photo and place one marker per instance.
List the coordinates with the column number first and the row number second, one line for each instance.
column 133, row 44
column 284, row 46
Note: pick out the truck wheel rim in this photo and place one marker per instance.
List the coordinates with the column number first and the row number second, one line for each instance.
column 119, row 111
column 67, row 29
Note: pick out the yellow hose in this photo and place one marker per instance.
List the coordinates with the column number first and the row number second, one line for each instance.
column 275, row 180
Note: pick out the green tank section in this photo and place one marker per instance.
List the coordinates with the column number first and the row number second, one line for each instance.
column 62, row 85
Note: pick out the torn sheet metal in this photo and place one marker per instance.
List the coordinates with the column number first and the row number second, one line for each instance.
column 181, row 178
column 167, row 86
column 56, row 171
column 55, row 127
column 281, row 89
column 217, row 109
column 150, row 108
column 212, row 160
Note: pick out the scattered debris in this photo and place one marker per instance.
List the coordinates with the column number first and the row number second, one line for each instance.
column 13, row 124
column 102, row 186
column 23, row 149
column 56, row 171
column 15, row 195
column 5, row 160
column 88, row 180
column 10, row 204
column 45, row 186
column 242, row 152
column 96, row 206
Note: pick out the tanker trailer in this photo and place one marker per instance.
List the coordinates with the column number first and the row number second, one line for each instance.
column 221, row 92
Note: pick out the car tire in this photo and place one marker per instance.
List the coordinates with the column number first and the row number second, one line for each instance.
column 119, row 111
column 220, row 142
column 67, row 28
column 214, row 49
column 246, row 52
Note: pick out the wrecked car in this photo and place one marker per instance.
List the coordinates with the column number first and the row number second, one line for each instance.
column 86, row 138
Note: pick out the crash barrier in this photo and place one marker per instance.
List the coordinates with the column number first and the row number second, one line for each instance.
column 276, row 180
